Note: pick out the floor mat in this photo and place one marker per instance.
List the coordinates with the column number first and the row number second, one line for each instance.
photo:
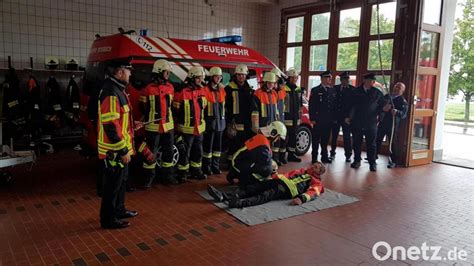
column 277, row 210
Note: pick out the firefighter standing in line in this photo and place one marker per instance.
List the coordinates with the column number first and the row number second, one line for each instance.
column 156, row 102
column 253, row 161
column 189, row 104
column 115, row 145
column 398, row 112
column 368, row 104
column 343, row 105
column 265, row 108
column 279, row 147
column 321, row 112
column 292, row 112
column 238, row 110
column 301, row 186
column 215, row 122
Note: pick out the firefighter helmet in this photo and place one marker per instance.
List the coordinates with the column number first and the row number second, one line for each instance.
column 241, row 69
column 269, row 77
column 277, row 72
column 161, row 65
column 275, row 129
column 196, row 71
column 292, row 72
column 215, row 71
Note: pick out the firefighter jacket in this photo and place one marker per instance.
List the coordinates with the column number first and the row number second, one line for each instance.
column 281, row 95
column 115, row 122
column 301, row 185
column 366, row 108
column 343, row 101
column 189, row 104
column 254, row 158
column 71, row 109
column 293, row 103
column 33, row 99
column 215, row 112
column 239, row 105
column 156, row 103
column 53, row 97
column 265, row 107
column 322, row 105
column 12, row 104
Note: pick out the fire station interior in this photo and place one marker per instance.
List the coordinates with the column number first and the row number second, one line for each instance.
column 49, row 207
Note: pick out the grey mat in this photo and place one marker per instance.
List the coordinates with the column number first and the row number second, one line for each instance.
column 277, row 210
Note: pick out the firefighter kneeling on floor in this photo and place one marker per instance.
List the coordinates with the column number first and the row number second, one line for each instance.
column 189, row 104
column 252, row 163
column 215, row 122
column 301, row 186
column 156, row 103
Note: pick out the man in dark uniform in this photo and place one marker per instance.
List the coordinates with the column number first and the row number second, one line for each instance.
column 115, row 145
column 368, row 104
column 321, row 113
column 391, row 121
column 343, row 105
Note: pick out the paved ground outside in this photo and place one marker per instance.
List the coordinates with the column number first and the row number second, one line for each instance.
column 458, row 145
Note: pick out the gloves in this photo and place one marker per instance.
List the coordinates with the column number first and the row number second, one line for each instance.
column 231, row 131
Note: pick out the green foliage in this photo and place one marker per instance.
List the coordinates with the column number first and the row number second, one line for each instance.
column 462, row 58
column 461, row 78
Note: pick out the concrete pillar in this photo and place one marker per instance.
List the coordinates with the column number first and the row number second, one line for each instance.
column 449, row 10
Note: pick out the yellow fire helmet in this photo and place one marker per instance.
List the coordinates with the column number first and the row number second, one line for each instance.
column 241, row 69
column 292, row 72
column 276, row 128
column 161, row 65
column 269, row 77
column 196, row 71
column 215, row 71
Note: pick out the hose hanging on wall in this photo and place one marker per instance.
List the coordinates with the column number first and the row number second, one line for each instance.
column 383, row 76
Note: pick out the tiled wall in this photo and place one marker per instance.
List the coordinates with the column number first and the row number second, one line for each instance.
column 66, row 28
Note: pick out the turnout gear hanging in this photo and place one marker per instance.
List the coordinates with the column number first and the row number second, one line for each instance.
column 33, row 103
column 53, row 99
column 71, row 108
column 12, row 103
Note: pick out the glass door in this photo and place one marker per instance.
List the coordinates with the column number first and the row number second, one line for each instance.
column 425, row 99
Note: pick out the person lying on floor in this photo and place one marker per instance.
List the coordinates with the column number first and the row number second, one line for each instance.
column 301, row 186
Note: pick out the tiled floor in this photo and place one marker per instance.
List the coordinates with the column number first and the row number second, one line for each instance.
column 50, row 216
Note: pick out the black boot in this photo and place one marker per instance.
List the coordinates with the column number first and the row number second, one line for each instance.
column 206, row 166
column 276, row 158
column 215, row 193
column 293, row 158
column 196, row 173
column 355, row 164
column 283, row 159
column 215, row 166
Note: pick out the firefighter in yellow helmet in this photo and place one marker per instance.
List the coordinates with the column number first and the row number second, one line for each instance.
column 214, row 115
column 238, row 105
column 292, row 112
column 189, row 104
column 156, row 102
column 265, row 109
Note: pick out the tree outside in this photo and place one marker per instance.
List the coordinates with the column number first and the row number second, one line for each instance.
column 461, row 79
